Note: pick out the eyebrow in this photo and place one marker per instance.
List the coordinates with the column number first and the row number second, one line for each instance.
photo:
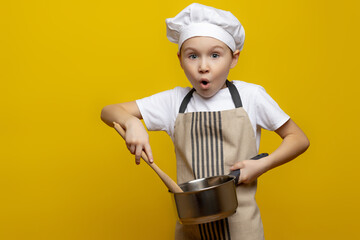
column 217, row 46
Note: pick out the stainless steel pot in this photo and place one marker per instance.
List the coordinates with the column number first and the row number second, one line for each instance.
column 208, row 199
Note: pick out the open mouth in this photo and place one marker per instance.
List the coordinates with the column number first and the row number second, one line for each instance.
column 204, row 83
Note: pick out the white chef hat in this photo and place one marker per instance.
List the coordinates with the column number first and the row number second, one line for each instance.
column 200, row 20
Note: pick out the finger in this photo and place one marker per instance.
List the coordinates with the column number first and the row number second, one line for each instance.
column 147, row 150
column 243, row 179
column 138, row 152
column 132, row 149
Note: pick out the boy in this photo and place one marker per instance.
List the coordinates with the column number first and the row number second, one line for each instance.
column 215, row 126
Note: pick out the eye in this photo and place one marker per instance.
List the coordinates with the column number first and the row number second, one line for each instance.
column 215, row 55
column 192, row 56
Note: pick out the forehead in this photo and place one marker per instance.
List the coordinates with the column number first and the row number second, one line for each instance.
column 203, row 43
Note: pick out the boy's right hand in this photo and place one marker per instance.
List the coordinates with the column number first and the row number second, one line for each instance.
column 137, row 139
column 127, row 116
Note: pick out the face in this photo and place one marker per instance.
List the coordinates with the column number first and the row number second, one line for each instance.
column 206, row 62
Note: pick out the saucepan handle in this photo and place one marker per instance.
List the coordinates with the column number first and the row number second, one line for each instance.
column 236, row 173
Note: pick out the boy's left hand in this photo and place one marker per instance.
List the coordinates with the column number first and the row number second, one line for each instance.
column 250, row 170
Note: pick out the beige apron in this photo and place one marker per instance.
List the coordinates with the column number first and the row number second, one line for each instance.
column 208, row 144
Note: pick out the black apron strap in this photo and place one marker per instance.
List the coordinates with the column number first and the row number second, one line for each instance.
column 234, row 94
column 186, row 100
column 233, row 91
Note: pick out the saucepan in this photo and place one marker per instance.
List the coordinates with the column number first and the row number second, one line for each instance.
column 208, row 199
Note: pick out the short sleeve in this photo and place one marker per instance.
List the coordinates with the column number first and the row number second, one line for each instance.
column 268, row 113
column 160, row 110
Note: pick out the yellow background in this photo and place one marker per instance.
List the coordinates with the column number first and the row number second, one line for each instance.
column 66, row 175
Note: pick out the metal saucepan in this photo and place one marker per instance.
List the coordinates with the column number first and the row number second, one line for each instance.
column 208, row 199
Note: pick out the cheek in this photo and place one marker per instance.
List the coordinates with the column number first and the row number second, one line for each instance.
column 189, row 68
column 221, row 69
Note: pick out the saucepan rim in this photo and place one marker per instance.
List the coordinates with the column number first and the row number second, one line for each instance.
column 231, row 178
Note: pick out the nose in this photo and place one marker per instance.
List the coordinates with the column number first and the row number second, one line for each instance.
column 203, row 66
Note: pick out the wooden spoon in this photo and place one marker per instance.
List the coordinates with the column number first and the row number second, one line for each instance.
column 170, row 184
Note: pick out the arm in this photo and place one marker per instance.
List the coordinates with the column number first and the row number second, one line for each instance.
column 128, row 116
column 293, row 144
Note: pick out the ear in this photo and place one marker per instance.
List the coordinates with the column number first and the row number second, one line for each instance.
column 179, row 57
column 235, row 58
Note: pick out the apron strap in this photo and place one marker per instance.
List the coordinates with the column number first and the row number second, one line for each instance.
column 186, row 100
column 233, row 91
column 234, row 94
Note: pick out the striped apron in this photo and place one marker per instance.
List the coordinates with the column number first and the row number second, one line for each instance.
column 208, row 144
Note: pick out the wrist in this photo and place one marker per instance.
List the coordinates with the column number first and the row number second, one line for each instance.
column 131, row 121
column 265, row 164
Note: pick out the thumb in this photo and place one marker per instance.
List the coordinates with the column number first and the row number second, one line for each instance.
column 237, row 165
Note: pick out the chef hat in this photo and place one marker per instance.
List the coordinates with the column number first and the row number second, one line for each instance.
column 200, row 20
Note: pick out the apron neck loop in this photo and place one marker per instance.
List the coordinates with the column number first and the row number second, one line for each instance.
column 233, row 91
column 234, row 94
column 186, row 100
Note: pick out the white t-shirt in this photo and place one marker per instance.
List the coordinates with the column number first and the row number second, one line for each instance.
column 159, row 111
